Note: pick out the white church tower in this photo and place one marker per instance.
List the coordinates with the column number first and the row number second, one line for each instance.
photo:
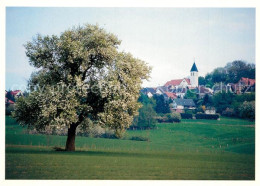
column 194, row 76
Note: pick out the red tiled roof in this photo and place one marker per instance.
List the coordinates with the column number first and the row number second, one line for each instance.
column 171, row 95
column 248, row 81
column 188, row 80
column 175, row 82
column 15, row 92
column 11, row 102
column 8, row 101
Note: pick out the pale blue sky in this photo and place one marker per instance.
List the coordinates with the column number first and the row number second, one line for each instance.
column 168, row 39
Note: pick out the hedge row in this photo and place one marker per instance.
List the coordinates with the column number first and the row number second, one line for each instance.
column 207, row 116
column 186, row 116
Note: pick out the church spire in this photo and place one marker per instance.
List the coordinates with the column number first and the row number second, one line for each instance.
column 194, row 68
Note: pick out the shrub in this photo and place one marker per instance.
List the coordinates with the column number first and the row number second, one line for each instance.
column 186, row 116
column 188, row 111
column 207, row 116
column 9, row 109
column 247, row 110
column 139, row 138
column 173, row 117
column 145, row 119
column 161, row 119
column 229, row 112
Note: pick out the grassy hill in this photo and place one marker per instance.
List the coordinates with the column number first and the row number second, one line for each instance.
column 192, row 149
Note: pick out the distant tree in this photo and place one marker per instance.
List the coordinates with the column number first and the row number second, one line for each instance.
column 173, row 117
column 208, row 79
column 146, row 118
column 25, row 93
column 162, row 105
column 10, row 96
column 207, row 100
column 9, row 109
column 219, row 75
column 82, row 76
column 245, row 97
column 202, row 80
column 247, row 110
column 238, row 69
column 144, row 99
column 190, row 94
column 231, row 73
column 223, row 100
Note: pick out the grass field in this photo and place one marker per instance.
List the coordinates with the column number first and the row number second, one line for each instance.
column 192, row 149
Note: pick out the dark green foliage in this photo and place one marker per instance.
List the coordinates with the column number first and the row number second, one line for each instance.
column 169, row 118
column 186, row 116
column 229, row 104
column 145, row 100
column 231, row 73
column 190, row 111
column 139, row 138
column 9, row 109
column 247, row 110
column 192, row 95
column 207, row 100
column 161, row 119
column 173, row 117
column 238, row 69
column 207, row 116
column 202, row 80
column 223, row 100
column 245, row 97
column 10, row 96
column 162, row 105
column 145, row 119
column 229, row 112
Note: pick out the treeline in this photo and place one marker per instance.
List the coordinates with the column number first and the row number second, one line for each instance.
column 231, row 73
column 233, row 105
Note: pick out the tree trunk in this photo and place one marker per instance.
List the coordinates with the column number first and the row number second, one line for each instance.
column 70, row 144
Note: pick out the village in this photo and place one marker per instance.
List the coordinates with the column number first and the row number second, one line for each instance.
column 176, row 91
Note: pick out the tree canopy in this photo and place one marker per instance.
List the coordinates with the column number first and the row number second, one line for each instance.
column 162, row 105
column 231, row 73
column 81, row 77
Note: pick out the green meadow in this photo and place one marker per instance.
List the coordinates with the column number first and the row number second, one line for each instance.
column 190, row 150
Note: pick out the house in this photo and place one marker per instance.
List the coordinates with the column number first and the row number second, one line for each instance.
column 17, row 93
column 202, row 91
column 180, row 92
column 244, row 85
column 149, row 92
column 246, row 81
column 169, row 95
column 8, row 101
column 178, row 83
column 159, row 91
column 210, row 110
column 181, row 104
